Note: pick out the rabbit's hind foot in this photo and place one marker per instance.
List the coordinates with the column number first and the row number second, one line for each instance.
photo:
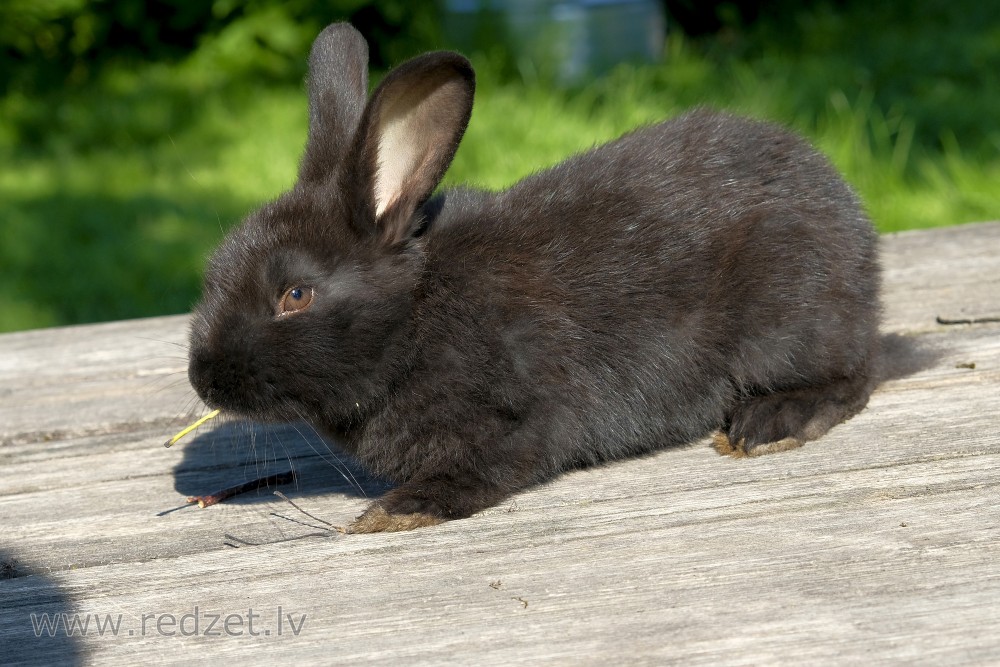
column 776, row 421
column 739, row 450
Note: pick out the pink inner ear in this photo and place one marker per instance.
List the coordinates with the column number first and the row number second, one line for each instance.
column 401, row 150
column 414, row 129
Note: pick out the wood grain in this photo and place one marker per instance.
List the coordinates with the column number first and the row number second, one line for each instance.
column 879, row 543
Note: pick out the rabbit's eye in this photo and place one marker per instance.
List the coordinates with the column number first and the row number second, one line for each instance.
column 295, row 300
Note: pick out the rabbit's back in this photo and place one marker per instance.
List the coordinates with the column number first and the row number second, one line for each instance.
column 662, row 274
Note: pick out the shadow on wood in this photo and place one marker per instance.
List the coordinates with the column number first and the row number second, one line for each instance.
column 903, row 356
column 238, row 452
column 36, row 617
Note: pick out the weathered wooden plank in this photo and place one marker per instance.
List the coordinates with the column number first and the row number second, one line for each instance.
column 131, row 478
column 841, row 576
column 878, row 543
column 953, row 273
column 103, row 378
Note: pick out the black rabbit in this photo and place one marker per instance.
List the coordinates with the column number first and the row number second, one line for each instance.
column 707, row 273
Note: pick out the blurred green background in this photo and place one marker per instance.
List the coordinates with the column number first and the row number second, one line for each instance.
column 133, row 133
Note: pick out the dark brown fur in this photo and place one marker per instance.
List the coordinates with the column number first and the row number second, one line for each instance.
column 709, row 272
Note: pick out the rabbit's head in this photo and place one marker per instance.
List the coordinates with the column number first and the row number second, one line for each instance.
column 307, row 305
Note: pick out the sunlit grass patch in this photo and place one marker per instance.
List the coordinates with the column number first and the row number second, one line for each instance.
column 111, row 197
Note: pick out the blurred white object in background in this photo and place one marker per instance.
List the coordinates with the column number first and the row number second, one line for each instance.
column 568, row 39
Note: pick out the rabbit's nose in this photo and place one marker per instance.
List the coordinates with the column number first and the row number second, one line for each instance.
column 202, row 373
column 227, row 379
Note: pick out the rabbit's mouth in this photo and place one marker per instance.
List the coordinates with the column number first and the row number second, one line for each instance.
column 225, row 384
column 228, row 383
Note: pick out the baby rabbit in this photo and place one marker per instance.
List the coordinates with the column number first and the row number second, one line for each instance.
column 707, row 273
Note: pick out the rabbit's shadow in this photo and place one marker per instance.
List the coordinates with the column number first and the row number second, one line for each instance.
column 903, row 356
column 236, row 453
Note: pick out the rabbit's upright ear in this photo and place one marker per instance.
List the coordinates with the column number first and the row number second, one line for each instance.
column 338, row 90
column 407, row 138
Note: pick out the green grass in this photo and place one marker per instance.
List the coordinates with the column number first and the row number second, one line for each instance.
column 111, row 197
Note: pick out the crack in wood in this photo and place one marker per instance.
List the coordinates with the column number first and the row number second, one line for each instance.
column 970, row 320
column 56, row 435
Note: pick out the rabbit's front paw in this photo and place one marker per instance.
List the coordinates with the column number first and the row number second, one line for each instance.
column 377, row 520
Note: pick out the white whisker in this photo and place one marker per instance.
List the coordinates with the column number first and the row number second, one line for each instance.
column 339, row 466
